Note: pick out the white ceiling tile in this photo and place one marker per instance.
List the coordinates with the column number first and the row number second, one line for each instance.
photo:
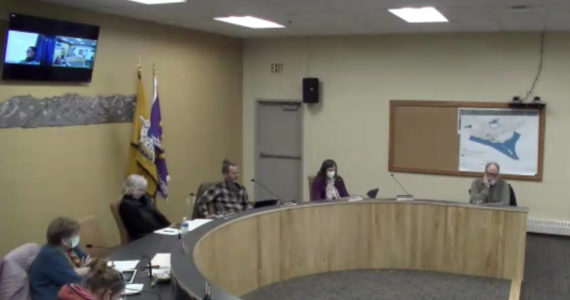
column 336, row 17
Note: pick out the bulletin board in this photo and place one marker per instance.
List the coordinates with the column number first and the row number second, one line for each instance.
column 425, row 136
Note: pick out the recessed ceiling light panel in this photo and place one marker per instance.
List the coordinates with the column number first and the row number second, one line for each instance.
column 250, row 22
column 419, row 15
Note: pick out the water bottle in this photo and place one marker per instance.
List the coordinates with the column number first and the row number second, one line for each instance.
column 183, row 231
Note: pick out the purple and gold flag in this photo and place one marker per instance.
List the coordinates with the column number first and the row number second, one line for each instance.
column 141, row 150
column 156, row 134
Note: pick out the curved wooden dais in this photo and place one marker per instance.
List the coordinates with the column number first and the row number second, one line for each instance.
column 247, row 253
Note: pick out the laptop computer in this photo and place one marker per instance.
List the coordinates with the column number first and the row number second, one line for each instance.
column 265, row 203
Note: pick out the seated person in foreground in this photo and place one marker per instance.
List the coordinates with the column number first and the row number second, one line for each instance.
column 59, row 262
column 137, row 209
column 102, row 282
column 328, row 185
column 490, row 189
column 225, row 197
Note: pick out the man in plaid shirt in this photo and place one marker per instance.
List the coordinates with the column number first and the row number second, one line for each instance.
column 225, row 197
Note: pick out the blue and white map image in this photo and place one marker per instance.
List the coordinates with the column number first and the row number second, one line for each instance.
column 507, row 136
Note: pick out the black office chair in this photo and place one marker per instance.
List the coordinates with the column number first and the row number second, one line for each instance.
column 201, row 189
column 513, row 198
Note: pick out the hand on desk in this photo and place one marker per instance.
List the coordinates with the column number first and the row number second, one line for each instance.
column 85, row 261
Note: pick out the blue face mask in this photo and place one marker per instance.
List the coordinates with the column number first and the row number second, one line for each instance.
column 72, row 242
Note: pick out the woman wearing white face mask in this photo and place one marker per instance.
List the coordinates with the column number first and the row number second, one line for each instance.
column 328, row 185
column 59, row 262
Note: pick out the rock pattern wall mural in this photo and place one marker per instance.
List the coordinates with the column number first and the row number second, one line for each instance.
column 66, row 110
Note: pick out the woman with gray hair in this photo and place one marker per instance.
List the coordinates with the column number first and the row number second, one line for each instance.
column 59, row 262
column 138, row 210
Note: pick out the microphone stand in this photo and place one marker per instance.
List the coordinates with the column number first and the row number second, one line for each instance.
column 407, row 196
column 266, row 189
column 143, row 256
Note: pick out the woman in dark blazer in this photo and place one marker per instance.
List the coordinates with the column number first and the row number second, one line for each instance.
column 328, row 185
column 137, row 209
column 59, row 262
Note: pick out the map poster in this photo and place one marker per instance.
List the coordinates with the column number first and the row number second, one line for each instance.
column 506, row 136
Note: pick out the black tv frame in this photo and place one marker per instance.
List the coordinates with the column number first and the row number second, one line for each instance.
column 20, row 22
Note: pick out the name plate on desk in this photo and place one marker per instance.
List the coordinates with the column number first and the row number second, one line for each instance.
column 404, row 197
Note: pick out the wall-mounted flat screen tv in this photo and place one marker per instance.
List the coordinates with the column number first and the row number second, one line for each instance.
column 49, row 50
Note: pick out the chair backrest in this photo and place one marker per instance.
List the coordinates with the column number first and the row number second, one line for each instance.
column 311, row 180
column 125, row 237
column 513, row 197
column 14, row 268
column 201, row 189
column 91, row 234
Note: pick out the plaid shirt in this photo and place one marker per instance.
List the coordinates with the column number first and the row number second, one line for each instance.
column 223, row 199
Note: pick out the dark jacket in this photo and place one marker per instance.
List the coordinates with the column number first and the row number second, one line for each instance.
column 51, row 270
column 141, row 216
column 320, row 188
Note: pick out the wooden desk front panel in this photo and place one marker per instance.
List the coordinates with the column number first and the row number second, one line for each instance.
column 264, row 248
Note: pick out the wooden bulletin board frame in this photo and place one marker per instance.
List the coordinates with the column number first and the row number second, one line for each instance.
column 424, row 137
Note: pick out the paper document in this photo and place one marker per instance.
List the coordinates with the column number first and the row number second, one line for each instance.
column 193, row 224
column 168, row 231
column 133, row 288
column 354, row 198
column 162, row 260
column 125, row 265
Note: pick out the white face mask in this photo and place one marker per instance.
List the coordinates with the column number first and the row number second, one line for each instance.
column 330, row 174
column 72, row 242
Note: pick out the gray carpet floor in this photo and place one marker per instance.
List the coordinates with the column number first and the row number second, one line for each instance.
column 547, row 276
column 547, row 268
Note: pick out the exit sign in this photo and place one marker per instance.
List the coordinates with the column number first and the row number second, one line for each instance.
column 277, row 68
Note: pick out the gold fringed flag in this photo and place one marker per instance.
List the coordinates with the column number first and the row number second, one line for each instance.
column 141, row 149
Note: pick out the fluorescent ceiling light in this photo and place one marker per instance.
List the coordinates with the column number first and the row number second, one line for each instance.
column 249, row 21
column 419, row 15
column 152, row 2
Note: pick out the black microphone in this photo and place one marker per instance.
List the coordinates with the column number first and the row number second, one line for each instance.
column 149, row 265
column 268, row 190
column 407, row 196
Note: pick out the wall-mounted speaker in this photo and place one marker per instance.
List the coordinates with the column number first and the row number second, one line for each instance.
column 310, row 90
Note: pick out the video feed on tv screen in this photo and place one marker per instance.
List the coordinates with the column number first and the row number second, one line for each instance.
column 43, row 49
column 30, row 48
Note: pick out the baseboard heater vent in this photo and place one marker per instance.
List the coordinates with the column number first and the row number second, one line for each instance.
column 548, row 226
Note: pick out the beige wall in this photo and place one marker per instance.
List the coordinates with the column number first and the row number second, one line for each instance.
column 361, row 74
column 77, row 171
